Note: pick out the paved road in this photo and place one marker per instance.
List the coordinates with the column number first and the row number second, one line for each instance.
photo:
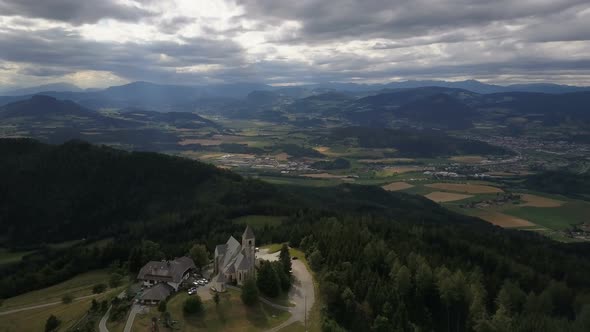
column 264, row 254
column 2, row 313
column 302, row 294
column 102, row 325
column 135, row 309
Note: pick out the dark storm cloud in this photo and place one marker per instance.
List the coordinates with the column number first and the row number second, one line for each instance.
column 57, row 49
column 72, row 11
column 348, row 19
column 298, row 41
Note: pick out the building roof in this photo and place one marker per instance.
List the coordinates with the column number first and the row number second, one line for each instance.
column 159, row 292
column 168, row 271
column 232, row 248
column 243, row 262
column 248, row 233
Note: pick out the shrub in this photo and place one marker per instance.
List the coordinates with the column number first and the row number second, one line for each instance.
column 68, row 298
column 115, row 280
column 99, row 288
column 52, row 323
column 162, row 306
column 193, row 305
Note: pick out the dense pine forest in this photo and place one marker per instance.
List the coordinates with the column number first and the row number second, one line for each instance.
column 384, row 261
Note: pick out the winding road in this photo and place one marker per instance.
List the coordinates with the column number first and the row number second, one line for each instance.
column 302, row 293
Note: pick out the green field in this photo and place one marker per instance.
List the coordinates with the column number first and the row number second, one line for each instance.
column 558, row 218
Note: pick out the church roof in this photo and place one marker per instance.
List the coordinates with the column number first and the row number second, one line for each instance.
column 242, row 263
column 248, row 233
column 232, row 248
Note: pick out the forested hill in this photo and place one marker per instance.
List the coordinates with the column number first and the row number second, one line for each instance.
column 78, row 190
column 384, row 261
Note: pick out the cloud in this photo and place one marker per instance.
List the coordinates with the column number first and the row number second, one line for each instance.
column 200, row 41
column 73, row 11
column 61, row 50
column 350, row 19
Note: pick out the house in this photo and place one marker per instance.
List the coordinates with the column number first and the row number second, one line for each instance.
column 171, row 272
column 157, row 293
column 234, row 262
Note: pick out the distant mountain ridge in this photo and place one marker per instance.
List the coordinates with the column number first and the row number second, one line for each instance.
column 57, row 87
column 241, row 90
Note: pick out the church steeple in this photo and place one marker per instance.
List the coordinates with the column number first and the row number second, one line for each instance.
column 249, row 241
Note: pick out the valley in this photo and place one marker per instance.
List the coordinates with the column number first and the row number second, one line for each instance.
column 329, row 138
column 419, row 169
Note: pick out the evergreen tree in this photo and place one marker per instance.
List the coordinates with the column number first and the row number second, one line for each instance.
column 268, row 280
column 200, row 255
column 249, row 292
column 193, row 305
column 285, row 259
column 511, row 298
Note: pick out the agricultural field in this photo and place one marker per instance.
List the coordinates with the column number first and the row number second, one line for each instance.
column 442, row 197
column 466, row 188
column 384, row 167
column 395, row 186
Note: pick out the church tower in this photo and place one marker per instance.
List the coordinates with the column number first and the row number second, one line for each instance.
column 249, row 245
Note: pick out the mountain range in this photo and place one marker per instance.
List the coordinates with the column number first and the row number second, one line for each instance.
column 153, row 91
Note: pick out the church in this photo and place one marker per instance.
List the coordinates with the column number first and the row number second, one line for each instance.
column 234, row 262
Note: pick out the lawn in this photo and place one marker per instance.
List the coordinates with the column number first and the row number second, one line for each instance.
column 230, row 315
column 259, row 221
column 272, row 248
column 80, row 285
column 34, row 320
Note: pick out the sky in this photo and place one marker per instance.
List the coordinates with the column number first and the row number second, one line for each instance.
column 110, row 42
